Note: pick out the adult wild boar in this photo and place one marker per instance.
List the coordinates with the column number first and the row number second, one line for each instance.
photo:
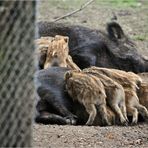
column 53, row 105
column 90, row 47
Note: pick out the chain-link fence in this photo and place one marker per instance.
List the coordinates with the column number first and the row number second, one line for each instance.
column 17, row 31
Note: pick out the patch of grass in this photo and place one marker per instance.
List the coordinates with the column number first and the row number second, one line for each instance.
column 120, row 3
column 140, row 37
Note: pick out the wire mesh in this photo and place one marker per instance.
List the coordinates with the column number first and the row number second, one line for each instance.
column 17, row 31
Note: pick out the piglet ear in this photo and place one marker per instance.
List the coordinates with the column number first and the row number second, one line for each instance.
column 67, row 75
column 115, row 31
column 66, row 39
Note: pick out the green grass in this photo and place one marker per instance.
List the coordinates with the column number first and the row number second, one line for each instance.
column 140, row 37
column 119, row 3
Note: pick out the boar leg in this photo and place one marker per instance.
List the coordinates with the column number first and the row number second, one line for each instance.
column 103, row 113
column 91, row 110
column 143, row 111
column 123, row 109
column 55, row 101
column 50, row 118
column 133, row 111
column 117, row 110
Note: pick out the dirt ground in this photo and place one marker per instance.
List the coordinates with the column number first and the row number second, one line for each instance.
column 134, row 20
column 83, row 136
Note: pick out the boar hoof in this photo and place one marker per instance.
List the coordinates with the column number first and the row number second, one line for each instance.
column 105, row 122
column 125, row 123
column 71, row 120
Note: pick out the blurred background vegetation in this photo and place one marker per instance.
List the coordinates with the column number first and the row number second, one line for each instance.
column 66, row 4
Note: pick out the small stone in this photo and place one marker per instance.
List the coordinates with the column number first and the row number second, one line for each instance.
column 138, row 141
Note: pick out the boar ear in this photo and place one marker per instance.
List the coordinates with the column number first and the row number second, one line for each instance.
column 66, row 39
column 67, row 75
column 115, row 31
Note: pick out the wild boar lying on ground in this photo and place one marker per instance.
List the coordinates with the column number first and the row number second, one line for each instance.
column 89, row 47
column 130, row 86
column 54, row 103
column 89, row 91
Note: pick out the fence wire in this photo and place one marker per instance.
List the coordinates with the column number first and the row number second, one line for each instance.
column 17, row 31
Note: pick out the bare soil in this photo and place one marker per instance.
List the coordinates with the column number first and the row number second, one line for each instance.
column 83, row 136
column 134, row 21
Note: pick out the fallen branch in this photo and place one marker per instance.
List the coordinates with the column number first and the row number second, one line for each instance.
column 75, row 11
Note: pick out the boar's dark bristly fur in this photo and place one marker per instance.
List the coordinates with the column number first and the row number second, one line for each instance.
column 52, row 98
column 90, row 47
